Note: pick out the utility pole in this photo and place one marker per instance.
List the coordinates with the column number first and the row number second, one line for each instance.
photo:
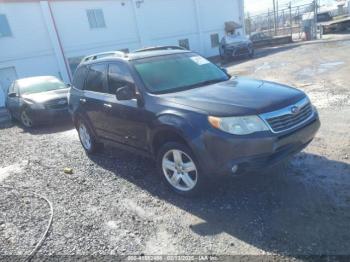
column 290, row 19
column 268, row 21
column 274, row 17
column 277, row 14
column 315, row 19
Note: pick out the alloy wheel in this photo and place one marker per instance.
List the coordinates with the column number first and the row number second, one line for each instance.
column 85, row 137
column 179, row 170
column 26, row 121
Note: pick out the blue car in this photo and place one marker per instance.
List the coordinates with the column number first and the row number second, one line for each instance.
column 193, row 119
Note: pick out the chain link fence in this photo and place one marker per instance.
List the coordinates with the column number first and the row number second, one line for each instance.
column 295, row 21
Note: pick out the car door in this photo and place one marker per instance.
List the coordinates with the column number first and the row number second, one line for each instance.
column 95, row 93
column 14, row 102
column 126, row 120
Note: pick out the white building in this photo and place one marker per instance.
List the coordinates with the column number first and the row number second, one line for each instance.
column 50, row 37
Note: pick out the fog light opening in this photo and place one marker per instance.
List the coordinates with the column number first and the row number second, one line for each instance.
column 234, row 169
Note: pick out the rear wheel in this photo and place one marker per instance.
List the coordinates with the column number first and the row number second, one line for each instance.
column 179, row 169
column 25, row 119
column 87, row 138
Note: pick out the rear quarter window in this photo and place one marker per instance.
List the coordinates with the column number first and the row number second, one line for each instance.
column 79, row 77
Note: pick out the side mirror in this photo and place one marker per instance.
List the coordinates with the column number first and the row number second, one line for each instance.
column 12, row 95
column 126, row 92
column 68, row 85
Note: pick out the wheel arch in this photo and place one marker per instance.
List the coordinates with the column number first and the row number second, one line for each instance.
column 78, row 116
column 171, row 127
column 167, row 134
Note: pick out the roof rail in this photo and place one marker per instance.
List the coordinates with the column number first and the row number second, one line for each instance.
column 102, row 55
column 157, row 48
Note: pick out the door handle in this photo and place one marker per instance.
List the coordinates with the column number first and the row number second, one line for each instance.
column 83, row 100
column 107, row 105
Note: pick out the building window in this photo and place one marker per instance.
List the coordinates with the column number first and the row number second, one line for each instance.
column 96, row 18
column 184, row 43
column 214, row 40
column 4, row 26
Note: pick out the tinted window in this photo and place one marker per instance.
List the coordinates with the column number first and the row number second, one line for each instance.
column 171, row 73
column 96, row 79
column 79, row 77
column 118, row 76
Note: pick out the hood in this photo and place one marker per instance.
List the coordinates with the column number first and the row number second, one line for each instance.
column 236, row 40
column 238, row 96
column 44, row 97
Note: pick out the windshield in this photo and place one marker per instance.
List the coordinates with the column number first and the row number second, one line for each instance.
column 171, row 73
column 31, row 86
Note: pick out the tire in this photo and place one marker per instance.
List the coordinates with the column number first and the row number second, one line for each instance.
column 190, row 183
column 225, row 56
column 26, row 121
column 251, row 53
column 228, row 57
column 87, row 138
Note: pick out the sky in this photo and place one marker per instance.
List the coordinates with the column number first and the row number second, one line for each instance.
column 260, row 6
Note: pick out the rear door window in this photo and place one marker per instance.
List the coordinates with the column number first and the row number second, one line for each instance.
column 97, row 78
column 79, row 77
column 118, row 76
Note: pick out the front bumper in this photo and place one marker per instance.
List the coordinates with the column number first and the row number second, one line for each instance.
column 222, row 151
column 238, row 50
column 39, row 116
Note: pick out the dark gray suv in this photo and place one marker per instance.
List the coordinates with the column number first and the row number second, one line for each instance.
column 189, row 115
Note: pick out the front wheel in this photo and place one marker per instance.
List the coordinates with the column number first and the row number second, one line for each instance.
column 179, row 169
column 26, row 119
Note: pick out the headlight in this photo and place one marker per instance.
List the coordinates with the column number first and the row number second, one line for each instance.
column 242, row 125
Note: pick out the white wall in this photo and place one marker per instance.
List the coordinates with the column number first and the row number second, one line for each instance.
column 213, row 15
column 33, row 51
column 167, row 19
column 28, row 49
column 77, row 37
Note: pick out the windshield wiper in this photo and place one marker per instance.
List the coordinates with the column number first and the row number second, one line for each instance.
column 204, row 83
column 184, row 88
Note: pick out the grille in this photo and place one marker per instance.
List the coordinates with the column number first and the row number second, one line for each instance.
column 57, row 104
column 289, row 120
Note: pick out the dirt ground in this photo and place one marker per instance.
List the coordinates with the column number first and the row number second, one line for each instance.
column 114, row 203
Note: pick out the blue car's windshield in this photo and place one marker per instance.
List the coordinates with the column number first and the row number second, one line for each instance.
column 176, row 72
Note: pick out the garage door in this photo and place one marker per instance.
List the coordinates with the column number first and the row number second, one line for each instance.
column 7, row 76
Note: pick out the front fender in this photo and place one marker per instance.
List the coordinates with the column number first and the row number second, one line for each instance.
column 177, row 123
column 189, row 127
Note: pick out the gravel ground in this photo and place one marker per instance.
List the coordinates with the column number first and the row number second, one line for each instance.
column 114, row 203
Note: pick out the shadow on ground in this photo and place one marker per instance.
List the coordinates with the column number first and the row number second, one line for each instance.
column 278, row 211
column 49, row 128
